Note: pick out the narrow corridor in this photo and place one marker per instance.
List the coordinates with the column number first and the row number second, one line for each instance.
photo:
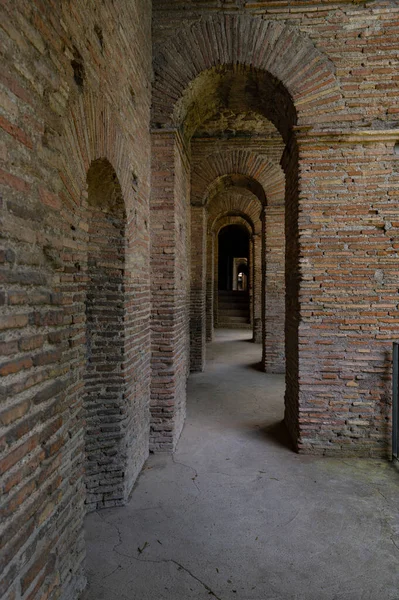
column 236, row 514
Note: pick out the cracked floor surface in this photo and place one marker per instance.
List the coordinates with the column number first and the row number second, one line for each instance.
column 235, row 514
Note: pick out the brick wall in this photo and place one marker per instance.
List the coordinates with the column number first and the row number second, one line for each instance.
column 274, row 290
column 348, row 231
column 75, row 89
column 358, row 41
column 238, row 205
column 320, row 67
column 170, row 263
column 199, row 260
column 104, row 379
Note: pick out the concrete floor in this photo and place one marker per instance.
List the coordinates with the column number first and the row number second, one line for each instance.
column 236, row 514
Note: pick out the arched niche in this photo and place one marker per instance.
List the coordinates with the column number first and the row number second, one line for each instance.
column 105, row 397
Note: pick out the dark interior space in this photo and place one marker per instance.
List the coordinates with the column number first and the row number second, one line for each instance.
column 233, row 243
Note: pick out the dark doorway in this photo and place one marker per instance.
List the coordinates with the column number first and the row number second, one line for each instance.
column 233, row 277
column 233, row 244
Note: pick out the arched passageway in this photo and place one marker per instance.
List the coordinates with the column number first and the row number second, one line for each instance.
column 281, row 77
column 235, row 513
column 210, row 89
column 233, row 266
column 249, row 172
column 234, row 202
column 200, row 115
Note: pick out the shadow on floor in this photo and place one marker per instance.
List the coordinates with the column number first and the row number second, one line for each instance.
column 255, row 366
column 276, row 433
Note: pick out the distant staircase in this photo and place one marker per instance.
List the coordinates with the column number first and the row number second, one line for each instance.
column 233, row 309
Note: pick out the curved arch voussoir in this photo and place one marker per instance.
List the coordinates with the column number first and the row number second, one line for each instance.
column 90, row 133
column 207, row 173
column 255, row 42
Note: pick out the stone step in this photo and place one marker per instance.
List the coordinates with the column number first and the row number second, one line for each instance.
column 233, row 319
column 232, row 302
column 228, row 307
column 233, row 325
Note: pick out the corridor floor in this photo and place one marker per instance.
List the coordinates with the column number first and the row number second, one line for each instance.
column 235, row 514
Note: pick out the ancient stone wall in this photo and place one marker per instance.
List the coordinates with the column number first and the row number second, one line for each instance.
column 75, row 291
column 321, row 69
column 74, row 274
column 242, row 205
column 349, row 234
column 273, row 358
column 170, row 263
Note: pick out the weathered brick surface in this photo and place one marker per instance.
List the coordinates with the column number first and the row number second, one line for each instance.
column 348, row 232
column 170, row 230
column 237, row 87
column 197, row 289
column 68, row 100
column 237, row 206
column 105, row 394
column 333, row 67
column 274, row 290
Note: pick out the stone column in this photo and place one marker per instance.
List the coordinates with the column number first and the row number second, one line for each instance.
column 216, row 280
column 169, row 288
column 197, row 291
column 345, row 273
column 257, row 288
column 210, row 291
column 274, row 290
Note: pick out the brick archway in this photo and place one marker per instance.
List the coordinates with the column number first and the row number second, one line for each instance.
column 223, row 220
column 274, row 47
column 235, row 206
column 264, row 182
column 214, row 171
column 242, row 64
column 230, row 202
column 92, row 136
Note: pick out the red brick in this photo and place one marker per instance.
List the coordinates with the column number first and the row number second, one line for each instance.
column 13, row 182
column 14, row 366
column 18, row 453
column 16, row 132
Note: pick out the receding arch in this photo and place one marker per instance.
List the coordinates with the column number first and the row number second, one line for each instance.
column 236, row 181
column 244, row 63
column 208, row 48
column 237, row 202
column 235, row 205
column 249, row 224
column 240, row 168
column 225, row 220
